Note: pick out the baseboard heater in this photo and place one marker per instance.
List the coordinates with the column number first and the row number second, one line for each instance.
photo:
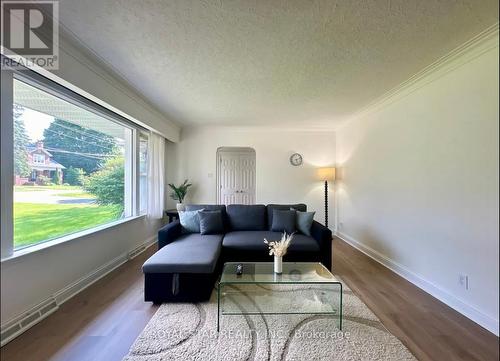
column 28, row 319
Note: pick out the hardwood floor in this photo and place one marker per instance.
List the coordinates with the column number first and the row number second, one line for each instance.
column 430, row 329
column 102, row 322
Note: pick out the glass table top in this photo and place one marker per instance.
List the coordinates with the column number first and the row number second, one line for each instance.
column 263, row 272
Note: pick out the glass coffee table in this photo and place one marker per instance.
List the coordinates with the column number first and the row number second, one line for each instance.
column 304, row 288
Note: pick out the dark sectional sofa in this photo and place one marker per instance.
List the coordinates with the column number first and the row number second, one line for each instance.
column 186, row 266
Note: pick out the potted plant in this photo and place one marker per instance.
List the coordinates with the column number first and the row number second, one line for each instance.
column 278, row 249
column 179, row 193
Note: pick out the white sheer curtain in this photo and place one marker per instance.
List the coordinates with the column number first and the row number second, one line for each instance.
column 156, row 175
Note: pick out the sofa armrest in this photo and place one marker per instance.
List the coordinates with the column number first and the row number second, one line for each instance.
column 323, row 236
column 169, row 233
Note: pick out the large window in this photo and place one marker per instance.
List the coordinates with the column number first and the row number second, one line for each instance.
column 73, row 164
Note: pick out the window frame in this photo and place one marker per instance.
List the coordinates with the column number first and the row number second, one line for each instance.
column 52, row 87
column 143, row 135
column 38, row 159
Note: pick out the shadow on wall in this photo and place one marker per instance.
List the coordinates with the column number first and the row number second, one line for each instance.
column 367, row 236
column 370, row 238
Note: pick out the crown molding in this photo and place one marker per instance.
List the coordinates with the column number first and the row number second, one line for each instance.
column 479, row 44
column 468, row 51
column 105, row 70
column 257, row 128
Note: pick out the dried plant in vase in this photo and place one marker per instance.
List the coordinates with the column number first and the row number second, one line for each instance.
column 278, row 249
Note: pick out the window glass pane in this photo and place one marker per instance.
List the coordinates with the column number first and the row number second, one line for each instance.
column 143, row 173
column 69, row 167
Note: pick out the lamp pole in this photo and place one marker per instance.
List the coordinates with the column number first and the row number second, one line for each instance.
column 326, row 203
column 326, row 174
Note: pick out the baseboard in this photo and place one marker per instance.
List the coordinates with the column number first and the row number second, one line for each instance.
column 16, row 326
column 460, row 306
column 27, row 319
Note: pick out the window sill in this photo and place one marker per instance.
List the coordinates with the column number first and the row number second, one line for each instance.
column 41, row 246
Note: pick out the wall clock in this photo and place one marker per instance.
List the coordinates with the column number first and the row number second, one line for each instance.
column 296, row 159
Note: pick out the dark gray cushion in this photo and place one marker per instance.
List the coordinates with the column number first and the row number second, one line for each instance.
column 246, row 217
column 254, row 241
column 270, row 207
column 211, row 222
column 190, row 253
column 283, row 221
column 304, row 221
column 211, row 207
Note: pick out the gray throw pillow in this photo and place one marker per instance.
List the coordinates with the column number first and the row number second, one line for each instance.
column 304, row 221
column 211, row 222
column 189, row 221
column 283, row 221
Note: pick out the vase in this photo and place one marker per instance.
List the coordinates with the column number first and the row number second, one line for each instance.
column 180, row 207
column 278, row 264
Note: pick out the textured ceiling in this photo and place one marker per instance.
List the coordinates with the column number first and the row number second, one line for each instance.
column 261, row 62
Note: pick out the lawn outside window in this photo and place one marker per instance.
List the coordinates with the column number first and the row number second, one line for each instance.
column 73, row 165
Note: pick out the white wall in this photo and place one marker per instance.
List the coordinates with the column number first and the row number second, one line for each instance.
column 277, row 180
column 419, row 188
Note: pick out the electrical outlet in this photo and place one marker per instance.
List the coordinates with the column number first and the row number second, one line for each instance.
column 463, row 281
column 341, row 225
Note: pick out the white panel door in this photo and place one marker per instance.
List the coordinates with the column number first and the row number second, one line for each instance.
column 247, row 178
column 236, row 179
column 228, row 178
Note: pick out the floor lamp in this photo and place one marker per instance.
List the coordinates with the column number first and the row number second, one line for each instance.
column 326, row 174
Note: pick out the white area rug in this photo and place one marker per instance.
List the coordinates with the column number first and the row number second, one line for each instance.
column 188, row 332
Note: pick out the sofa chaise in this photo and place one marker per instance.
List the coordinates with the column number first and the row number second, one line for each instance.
column 186, row 266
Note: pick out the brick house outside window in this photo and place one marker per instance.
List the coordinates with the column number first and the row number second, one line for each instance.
column 41, row 164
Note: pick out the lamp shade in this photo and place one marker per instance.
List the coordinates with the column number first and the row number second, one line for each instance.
column 326, row 174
